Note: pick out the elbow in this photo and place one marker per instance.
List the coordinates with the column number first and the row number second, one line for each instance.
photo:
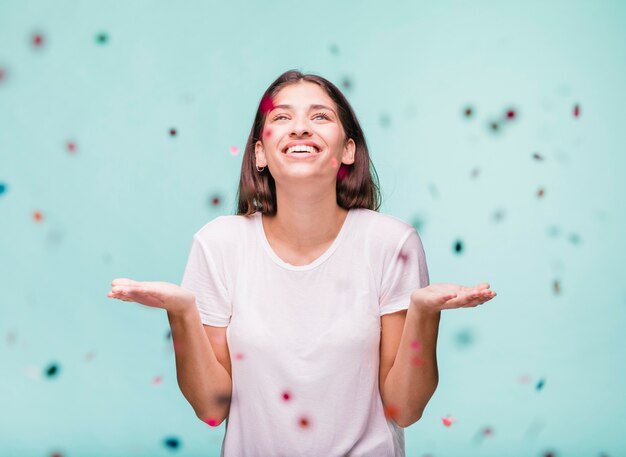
column 211, row 420
column 405, row 422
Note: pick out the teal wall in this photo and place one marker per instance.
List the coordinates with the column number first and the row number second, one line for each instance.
column 126, row 201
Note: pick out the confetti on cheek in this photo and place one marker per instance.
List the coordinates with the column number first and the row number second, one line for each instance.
column 37, row 216
column 157, row 381
column 448, row 420
column 234, row 150
column 334, row 163
column 267, row 133
column 172, row 443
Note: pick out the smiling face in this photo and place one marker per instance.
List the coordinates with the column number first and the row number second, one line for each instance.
column 303, row 113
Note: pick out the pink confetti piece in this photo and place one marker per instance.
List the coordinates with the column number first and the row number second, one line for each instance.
column 37, row 216
column 448, row 420
column 157, row 380
column 234, row 150
column 286, row 395
column 576, row 110
column 416, row 345
column 239, row 356
column 71, row 146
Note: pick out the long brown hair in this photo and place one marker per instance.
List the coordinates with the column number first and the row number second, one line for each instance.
column 356, row 187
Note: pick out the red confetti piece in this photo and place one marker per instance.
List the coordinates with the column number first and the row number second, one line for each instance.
column 286, row 395
column 448, row 421
column 487, row 431
column 342, row 173
column 576, row 110
column 391, row 411
column 267, row 133
column 71, row 146
column 173, row 132
column 157, row 380
column 234, row 150
column 334, row 163
column 418, row 361
column 267, row 105
column 304, row 422
column 37, row 216
column 416, row 345
column 3, row 74
column 510, row 114
column 403, row 256
column 211, row 421
column 37, row 39
column 541, row 192
column 215, row 201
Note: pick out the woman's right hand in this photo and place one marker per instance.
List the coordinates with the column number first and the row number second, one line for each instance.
column 156, row 294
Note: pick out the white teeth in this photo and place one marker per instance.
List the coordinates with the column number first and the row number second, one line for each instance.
column 302, row 148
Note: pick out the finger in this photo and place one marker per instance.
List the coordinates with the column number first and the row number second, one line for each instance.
column 482, row 285
column 124, row 282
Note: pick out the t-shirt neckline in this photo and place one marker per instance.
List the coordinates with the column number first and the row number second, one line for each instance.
column 316, row 262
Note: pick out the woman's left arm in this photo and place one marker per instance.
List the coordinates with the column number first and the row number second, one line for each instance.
column 413, row 377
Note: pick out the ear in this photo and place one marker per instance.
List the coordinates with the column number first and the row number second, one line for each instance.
column 260, row 154
column 348, row 152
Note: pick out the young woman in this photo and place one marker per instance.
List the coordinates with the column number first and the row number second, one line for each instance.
column 306, row 320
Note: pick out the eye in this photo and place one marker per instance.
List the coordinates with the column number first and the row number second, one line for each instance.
column 316, row 115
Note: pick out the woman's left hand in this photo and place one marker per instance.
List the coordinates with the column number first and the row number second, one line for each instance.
column 436, row 297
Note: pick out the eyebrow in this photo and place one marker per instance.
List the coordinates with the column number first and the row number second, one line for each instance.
column 310, row 107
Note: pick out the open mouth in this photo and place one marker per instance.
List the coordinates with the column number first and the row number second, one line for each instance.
column 309, row 150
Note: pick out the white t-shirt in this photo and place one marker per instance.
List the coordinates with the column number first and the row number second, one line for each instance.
column 304, row 340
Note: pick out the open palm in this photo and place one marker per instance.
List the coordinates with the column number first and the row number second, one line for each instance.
column 156, row 294
column 440, row 296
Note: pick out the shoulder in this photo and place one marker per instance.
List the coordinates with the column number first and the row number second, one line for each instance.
column 384, row 229
column 224, row 229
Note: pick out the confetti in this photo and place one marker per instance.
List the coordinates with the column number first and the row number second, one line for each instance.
column 52, row 370
column 172, row 132
column 234, row 150
column 416, row 345
column 239, row 356
column 3, row 74
column 541, row 192
column 37, row 40
column 267, row 105
column 468, row 111
column 540, row 384
column 448, row 420
column 286, row 395
column 215, row 200
column 576, row 110
column 157, row 380
column 334, row 49
column 304, row 422
column 172, row 442
column 102, row 38
column 524, row 379
column 537, row 156
column 71, row 146
column 391, row 411
column 458, row 246
column 37, row 216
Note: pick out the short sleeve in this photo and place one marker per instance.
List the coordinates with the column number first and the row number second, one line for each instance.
column 202, row 278
column 407, row 272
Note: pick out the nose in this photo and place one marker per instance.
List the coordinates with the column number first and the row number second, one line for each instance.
column 300, row 127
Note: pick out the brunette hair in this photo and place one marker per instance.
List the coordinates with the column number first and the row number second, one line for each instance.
column 356, row 187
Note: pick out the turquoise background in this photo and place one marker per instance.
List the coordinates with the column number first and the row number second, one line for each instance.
column 127, row 200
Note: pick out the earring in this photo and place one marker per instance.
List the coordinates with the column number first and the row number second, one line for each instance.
column 257, row 169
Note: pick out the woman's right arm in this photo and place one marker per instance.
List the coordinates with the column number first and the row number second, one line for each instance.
column 202, row 359
column 203, row 380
